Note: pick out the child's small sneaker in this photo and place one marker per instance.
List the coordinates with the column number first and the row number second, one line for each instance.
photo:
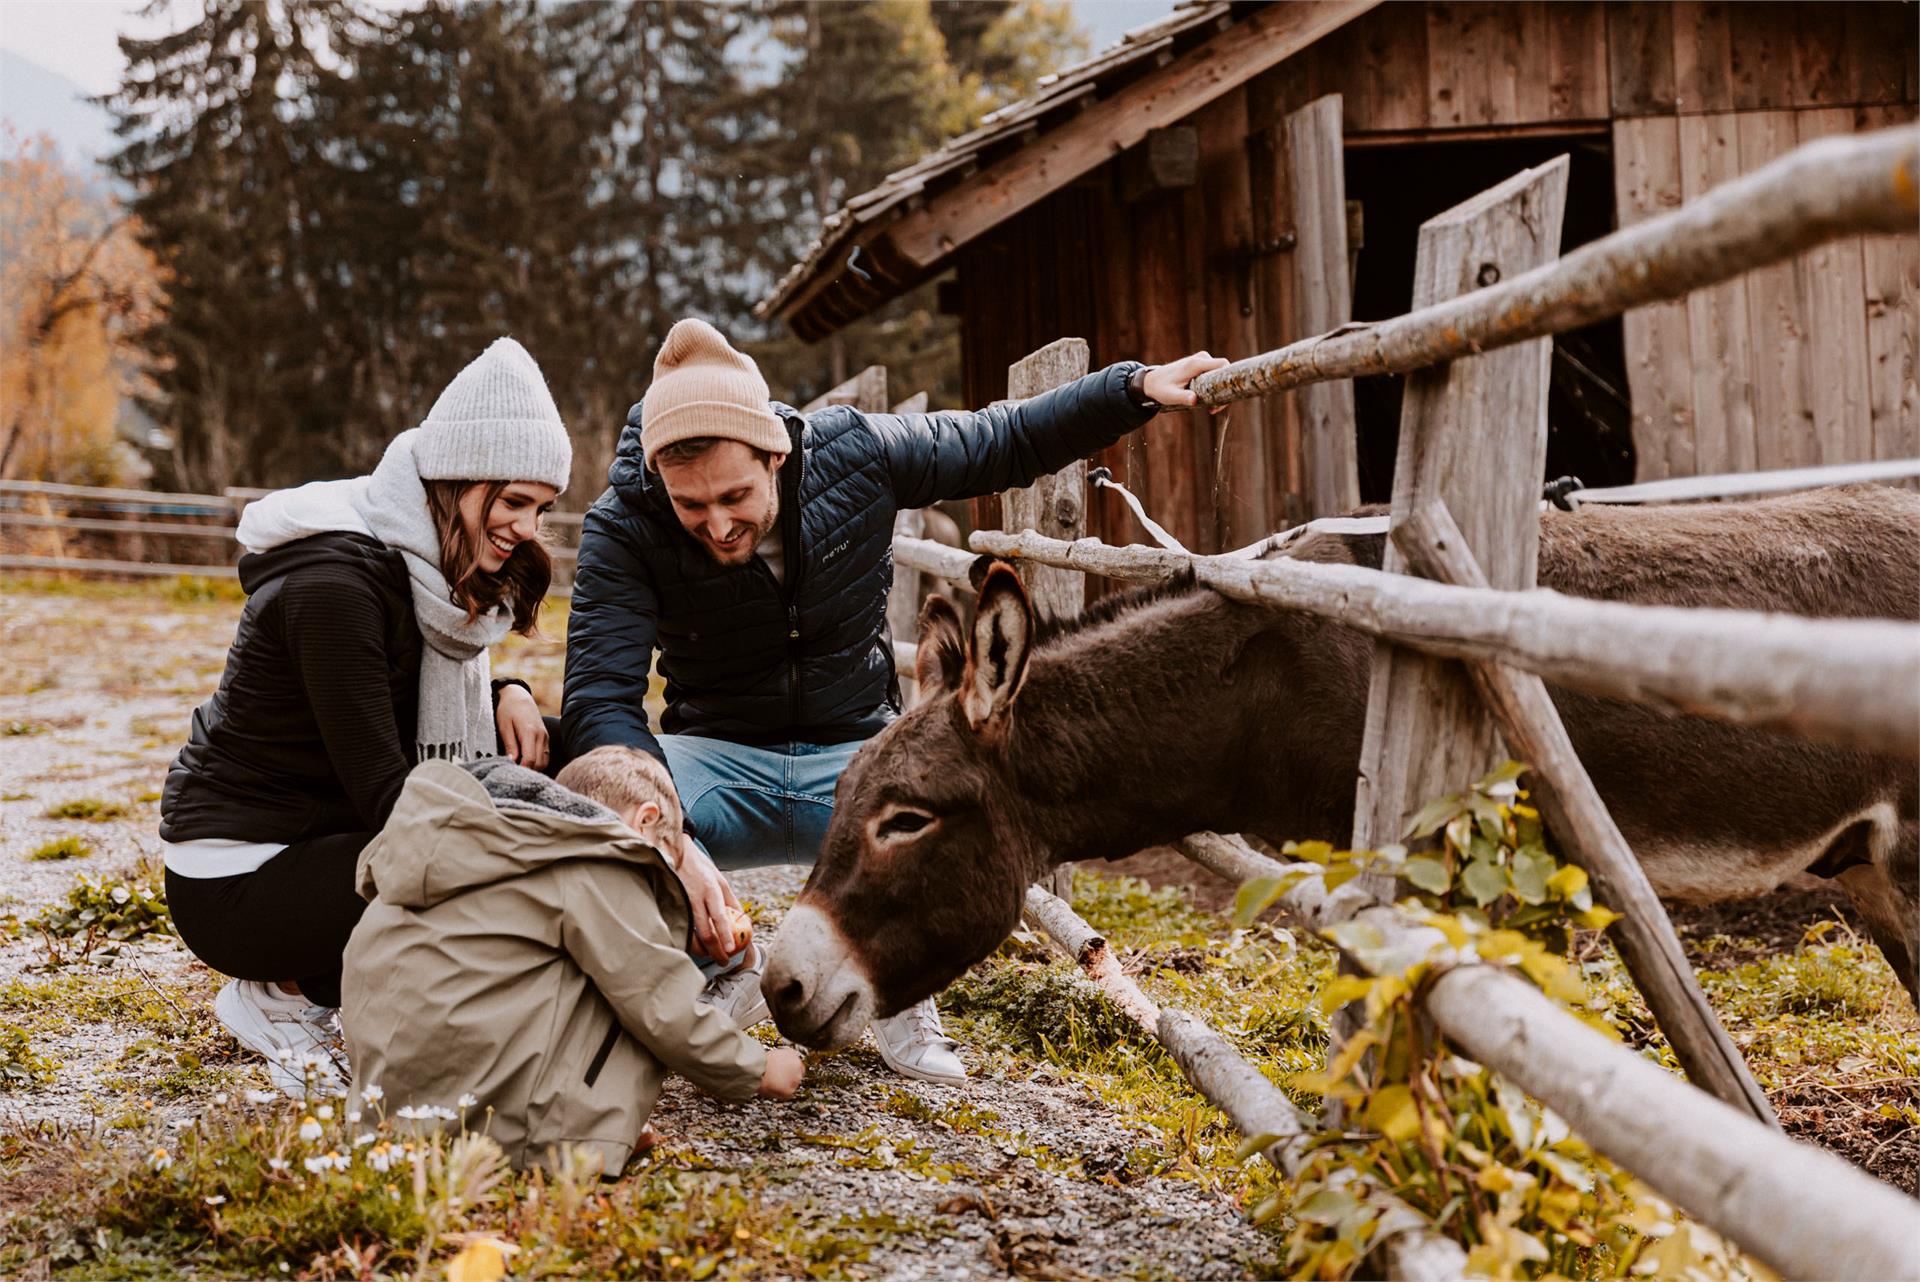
column 737, row 995
column 301, row 1041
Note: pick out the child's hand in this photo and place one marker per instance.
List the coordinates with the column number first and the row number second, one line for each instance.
column 782, row 1077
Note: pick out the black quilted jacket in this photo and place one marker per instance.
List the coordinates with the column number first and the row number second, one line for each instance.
column 752, row 661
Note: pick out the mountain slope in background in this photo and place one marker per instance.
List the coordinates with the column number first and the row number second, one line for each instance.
column 35, row 101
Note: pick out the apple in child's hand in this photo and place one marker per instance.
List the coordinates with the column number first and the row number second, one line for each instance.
column 742, row 927
column 782, row 1075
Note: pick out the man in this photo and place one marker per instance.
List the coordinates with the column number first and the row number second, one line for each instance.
column 751, row 545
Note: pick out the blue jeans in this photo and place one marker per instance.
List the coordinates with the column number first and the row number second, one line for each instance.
column 750, row 807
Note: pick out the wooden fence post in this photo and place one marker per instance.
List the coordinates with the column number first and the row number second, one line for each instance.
column 903, row 602
column 1322, row 301
column 1055, row 506
column 1473, row 433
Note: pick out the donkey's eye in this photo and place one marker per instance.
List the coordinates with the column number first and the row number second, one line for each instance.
column 903, row 823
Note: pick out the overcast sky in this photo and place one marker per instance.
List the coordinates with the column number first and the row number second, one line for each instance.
column 76, row 37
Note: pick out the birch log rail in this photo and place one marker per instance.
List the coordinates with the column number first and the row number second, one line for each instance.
column 1840, row 186
column 1848, row 681
column 1803, row 1211
column 1254, row 1105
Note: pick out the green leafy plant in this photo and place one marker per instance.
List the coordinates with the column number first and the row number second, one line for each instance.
column 1492, row 1169
column 20, row 1067
column 62, row 848
column 104, row 913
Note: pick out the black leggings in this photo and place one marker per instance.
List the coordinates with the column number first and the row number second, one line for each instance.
column 287, row 919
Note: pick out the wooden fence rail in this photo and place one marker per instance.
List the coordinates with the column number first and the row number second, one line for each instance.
column 1803, row 1211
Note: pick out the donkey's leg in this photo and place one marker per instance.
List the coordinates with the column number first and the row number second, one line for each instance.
column 1885, row 888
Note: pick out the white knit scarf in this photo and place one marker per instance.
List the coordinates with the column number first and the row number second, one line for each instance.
column 455, row 719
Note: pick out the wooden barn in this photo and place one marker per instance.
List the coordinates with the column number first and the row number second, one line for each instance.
column 1239, row 176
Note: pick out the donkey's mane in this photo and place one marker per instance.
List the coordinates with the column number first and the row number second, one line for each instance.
column 1050, row 630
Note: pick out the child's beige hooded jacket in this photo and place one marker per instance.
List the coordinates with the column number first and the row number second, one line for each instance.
column 527, row 948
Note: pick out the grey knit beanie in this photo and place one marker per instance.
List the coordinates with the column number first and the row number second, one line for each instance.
column 496, row 422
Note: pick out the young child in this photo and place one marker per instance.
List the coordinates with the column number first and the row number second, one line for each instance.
column 636, row 786
column 524, row 946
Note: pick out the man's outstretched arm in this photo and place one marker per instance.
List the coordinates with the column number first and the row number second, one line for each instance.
column 958, row 454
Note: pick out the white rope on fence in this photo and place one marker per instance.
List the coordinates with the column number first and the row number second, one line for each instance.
column 1801, row 1210
column 1849, row 681
column 1833, row 187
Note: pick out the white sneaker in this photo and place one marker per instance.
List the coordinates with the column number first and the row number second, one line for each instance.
column 737, row 994
column 306, row 1056
column 913, row 1044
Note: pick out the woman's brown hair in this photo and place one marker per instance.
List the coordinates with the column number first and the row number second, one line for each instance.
column 522, row 582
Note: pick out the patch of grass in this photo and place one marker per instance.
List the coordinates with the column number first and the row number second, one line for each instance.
column 20, row 1067
column 62, row 848
column 16, row 796
column 11, row 729
column 91, row 809
column 250, row 1191
column 1252, row 985
column 1829, row 1012
column 62, row 1001
column 148, row 797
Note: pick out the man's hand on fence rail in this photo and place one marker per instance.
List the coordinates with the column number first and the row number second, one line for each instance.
column 1170, row 385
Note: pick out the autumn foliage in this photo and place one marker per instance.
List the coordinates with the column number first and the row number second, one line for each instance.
column 74, row 288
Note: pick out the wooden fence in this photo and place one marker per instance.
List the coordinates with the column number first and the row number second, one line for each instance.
column 87, row 529
column 1472, row 443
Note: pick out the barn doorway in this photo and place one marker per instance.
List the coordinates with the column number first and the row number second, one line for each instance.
column 1589, row 417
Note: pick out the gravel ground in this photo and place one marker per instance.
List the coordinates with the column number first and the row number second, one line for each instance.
column 1005, row 1175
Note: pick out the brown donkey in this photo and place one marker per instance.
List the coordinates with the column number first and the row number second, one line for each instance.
column 1168, row 711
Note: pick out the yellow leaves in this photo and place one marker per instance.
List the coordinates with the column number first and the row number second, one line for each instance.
column 1391, row 1111
column 1597, row 918
column 481, row 1260
column 1344, row 989
column 1569, row 880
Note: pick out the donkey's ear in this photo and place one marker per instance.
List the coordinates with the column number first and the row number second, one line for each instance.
column 942, row 656
column 997, row 661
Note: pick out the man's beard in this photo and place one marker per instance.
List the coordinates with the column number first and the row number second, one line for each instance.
column 741, row 552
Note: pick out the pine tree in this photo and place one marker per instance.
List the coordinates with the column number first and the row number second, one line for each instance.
column 867, row 87
column 217, row 152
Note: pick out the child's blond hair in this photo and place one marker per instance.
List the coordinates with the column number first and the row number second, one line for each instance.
column 621, row 778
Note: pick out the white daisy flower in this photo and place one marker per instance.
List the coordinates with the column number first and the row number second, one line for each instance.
column 277, row 1163
column 467, row 1100
column 324, row 1112
column 354, row 1116
column 444, row 1113
column 120, row 895
column 216, row 1200
column 261, row 1097
column 159, row 1159
column 372, row 1093
column 315, row 1165
column 309, row 1129
column 363, row 1139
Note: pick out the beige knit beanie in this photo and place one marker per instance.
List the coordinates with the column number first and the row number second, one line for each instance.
column 703, row 387
column 496, row 421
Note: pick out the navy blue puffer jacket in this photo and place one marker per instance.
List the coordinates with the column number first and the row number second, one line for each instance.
column 749, row 659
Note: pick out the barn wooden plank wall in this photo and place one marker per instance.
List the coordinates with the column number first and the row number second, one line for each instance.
column 1812, row 361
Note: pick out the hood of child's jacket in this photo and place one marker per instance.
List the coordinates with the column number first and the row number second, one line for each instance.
column 447, row 835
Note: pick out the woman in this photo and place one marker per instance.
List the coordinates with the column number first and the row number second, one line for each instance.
column 362, row 650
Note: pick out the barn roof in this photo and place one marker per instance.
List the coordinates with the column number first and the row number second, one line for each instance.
column 887, row 240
